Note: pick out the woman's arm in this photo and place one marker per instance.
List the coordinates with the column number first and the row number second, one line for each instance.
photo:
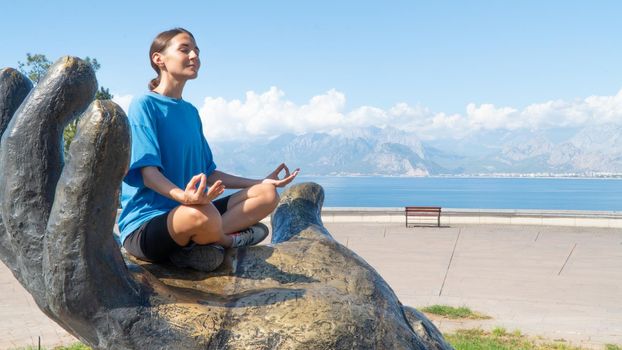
column 232, row 181
column 155, row 180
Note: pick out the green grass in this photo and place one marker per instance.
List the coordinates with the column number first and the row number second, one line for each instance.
column 76, row 346
column 500, row 339
column 454, row 312
column 613, row 347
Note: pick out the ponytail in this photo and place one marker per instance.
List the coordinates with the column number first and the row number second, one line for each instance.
column 154, row 83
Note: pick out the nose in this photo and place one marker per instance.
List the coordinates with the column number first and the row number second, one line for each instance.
column 193, row 54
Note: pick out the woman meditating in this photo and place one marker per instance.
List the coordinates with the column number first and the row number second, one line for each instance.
column 170, row 210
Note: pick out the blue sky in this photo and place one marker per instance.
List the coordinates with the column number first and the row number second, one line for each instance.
column 437, row 58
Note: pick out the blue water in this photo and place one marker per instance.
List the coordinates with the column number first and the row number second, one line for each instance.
column 485, row 193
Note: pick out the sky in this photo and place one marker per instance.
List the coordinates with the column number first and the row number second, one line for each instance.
column 269, row 67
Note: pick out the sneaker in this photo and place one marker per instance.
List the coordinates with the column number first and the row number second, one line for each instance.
column 250, row 236
column 204, row 258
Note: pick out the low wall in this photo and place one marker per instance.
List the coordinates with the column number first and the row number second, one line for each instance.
column 450, row 216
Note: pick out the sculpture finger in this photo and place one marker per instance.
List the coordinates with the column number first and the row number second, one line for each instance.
column 14, row 87
column 31, row 161
column 85, row 274
column 300, row 207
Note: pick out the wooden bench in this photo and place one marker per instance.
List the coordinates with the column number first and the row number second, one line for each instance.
column 426, row 212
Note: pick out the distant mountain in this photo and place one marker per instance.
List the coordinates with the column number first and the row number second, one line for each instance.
column 358, row 151
column 592, row 149
column 586, row 150
column 392, row 152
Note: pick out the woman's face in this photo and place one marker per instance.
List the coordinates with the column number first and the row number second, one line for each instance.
column 180, row 58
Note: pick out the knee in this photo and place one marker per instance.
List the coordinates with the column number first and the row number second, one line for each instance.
column 205, row 218
column 269, row 195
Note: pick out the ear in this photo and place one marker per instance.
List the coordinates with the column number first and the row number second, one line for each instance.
column 158, row 59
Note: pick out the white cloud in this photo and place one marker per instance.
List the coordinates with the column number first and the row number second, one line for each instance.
column 269, row 114
column 489, row 117
column 123, row 101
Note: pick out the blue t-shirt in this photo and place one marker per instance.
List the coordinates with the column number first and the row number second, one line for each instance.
column 166, row 133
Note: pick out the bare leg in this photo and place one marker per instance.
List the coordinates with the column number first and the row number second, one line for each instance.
column 201, row 224
column 248, row 207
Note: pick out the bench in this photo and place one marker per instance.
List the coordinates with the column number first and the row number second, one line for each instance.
column 425, row 212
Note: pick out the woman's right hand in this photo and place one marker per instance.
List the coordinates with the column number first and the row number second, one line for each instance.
column 198, row 195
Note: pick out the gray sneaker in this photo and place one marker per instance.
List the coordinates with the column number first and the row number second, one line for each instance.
column 204, row 258
column 250, row 236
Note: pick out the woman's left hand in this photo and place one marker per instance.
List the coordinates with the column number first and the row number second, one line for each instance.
column 273, row 178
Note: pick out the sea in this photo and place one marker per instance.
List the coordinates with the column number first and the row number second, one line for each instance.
column 592, row 194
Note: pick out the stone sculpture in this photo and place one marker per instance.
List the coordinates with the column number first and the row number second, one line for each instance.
column 305, row 291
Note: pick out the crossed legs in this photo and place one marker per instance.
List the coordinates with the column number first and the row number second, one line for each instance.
column 203, row 224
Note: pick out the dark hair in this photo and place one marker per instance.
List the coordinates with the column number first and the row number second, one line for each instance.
column 159, row 44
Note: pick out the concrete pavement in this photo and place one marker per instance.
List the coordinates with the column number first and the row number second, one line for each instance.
column 556, row 282
column 21, row 321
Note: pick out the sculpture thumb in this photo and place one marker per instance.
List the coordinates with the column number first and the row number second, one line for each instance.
column 300, row 207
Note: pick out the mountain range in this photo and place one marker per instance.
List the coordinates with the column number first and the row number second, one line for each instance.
column 389, row 151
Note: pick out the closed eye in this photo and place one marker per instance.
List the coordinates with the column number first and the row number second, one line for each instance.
column 187, row 50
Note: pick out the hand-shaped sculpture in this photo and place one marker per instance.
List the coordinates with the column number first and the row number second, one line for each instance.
column 306, row 291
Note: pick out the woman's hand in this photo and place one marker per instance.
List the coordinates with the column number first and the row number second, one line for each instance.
column 198, row 195
column 273, row 177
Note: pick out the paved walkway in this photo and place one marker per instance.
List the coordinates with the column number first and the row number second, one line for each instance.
column 21, row 321
column 556, row 282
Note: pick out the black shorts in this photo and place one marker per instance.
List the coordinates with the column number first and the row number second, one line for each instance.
column 152, row 241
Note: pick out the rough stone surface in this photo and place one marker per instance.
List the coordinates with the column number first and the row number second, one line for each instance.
column 306, row 291
column 14, row 87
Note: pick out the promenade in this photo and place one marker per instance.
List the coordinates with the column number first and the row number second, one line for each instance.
column 558, row 282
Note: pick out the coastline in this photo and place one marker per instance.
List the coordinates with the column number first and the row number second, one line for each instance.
column 596, row 176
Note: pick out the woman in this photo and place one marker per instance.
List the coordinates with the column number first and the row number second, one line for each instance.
column 168, row 210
